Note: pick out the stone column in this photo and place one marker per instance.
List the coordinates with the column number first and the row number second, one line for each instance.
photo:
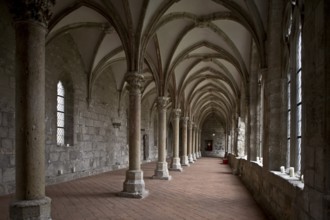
column 184, row 159
column 161, row 171
column 199, row 143
column 253, row 104
column 194, row 143
column 315, row 152
column 176, row 165
column 30, row 18
column 275, row 111
column 134, row 186
column 235, row 135
column 190, row 141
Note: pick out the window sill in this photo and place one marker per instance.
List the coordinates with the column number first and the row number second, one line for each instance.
column 62, row 145
column 292, row 180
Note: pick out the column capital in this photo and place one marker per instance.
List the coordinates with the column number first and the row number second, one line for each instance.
column 176, row 113
column 185, row 121
column 32, row 10
column 134, row 81
column 162, row 102
column 191, row 124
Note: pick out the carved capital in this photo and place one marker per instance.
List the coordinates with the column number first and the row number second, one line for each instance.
column 135, row 82
column 162, row 102
column 191, row 124
column 32, row 10
column 176, row 113
column 185, row 121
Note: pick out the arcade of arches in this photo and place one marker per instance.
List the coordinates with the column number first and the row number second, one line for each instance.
column 93, row 86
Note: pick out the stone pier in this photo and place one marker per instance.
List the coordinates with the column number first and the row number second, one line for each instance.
column 176, row 165
column 30, row 20
column 161, row 171
column 134, row 186
column 184, row 159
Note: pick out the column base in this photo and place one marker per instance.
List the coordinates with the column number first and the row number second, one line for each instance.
column 161, row 172
column 185, row 161
column 38, row 209
column 176, row 166
column 134, row 186
column 199, row 154
column 190, row 159
column 194, row 156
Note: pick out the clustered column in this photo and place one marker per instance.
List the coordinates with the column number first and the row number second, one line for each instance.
column 184, row 159
column 134, row 186
column 161, row 171
column 31, row 19
column 176, row 165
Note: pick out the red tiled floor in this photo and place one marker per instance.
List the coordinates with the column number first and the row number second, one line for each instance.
column 205, row 190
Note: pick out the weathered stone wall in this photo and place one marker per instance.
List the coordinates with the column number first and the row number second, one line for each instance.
column 149, row 151
column 7, row 102
column 96, row 145
column 278, row 194
column 212, row 126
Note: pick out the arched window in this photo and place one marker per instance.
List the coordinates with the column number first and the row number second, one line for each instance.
column 294, row 68
column 60, row 114
column 298, row 101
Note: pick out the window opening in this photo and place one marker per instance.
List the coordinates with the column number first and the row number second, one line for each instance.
column 299, row 102
column 60, row 114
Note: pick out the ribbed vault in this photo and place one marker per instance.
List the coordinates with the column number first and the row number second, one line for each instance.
column 197, row 52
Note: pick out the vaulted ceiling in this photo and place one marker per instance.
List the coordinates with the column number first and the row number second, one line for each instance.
column 197, row 52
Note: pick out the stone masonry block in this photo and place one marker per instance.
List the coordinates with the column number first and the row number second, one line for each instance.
column 75, row 155
column 12, row 160
column 64, row 156
column 7, row 145
column 11, row 133
column 4, row 132
column 54, row 156
column 316, row 204
column 8, row 175
column 4, row 161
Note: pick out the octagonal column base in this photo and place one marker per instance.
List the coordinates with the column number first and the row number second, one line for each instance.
column 176, row 166
column 134, row 186
column 161, row 172
column 38, row 209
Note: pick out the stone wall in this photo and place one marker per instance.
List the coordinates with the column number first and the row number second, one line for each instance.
column 148, row 146
column 278, row 194
column 95, row 144
column 212, row 126
column 7, row 103
column 98, row 145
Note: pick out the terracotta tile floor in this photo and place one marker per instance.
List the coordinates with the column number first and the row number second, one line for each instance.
column 205, row 190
